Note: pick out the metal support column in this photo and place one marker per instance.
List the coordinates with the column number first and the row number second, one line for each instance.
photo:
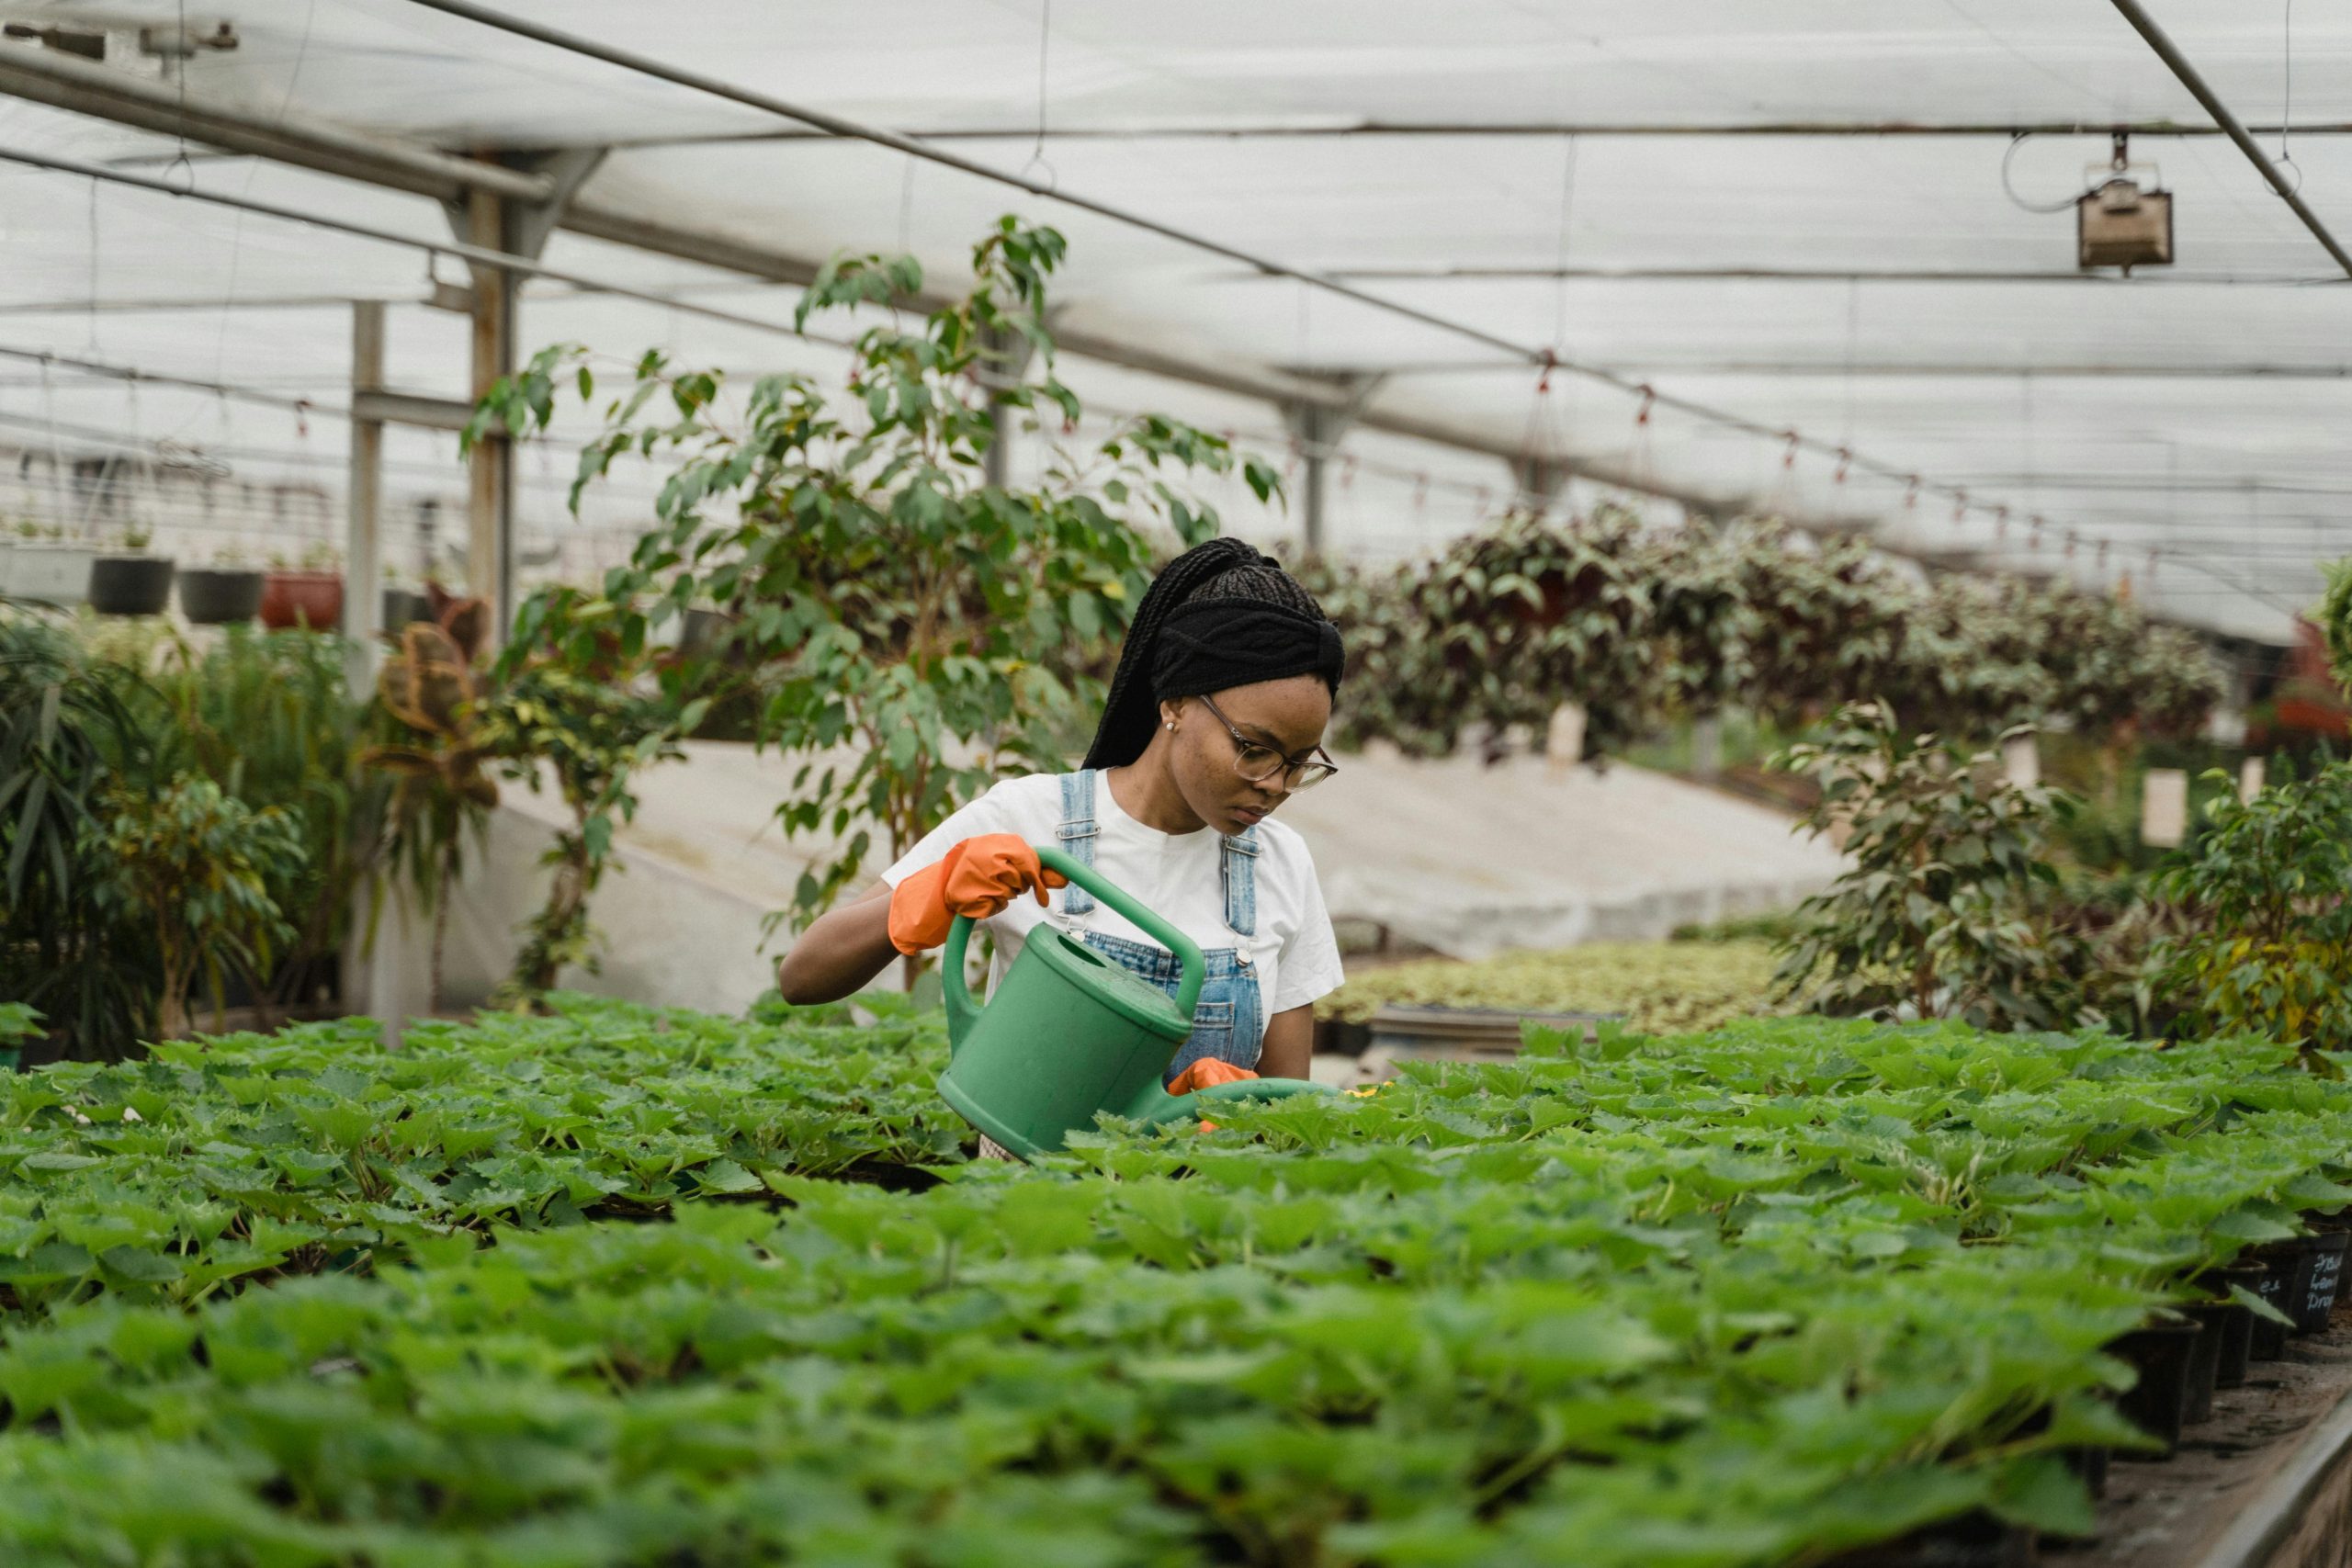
column 1317, row 431
column 363, row 551
column 1006, row 358
column 1319, row 428
column 490, row 548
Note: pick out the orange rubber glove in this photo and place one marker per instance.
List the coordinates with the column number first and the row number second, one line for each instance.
column 1206, row 1071
column 976, row 877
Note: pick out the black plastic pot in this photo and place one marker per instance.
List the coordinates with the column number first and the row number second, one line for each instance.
column 131, row 585
column 403, row 606
column 2158, row 1403
column 1973, row 1540
column 216, row 596
column 2091, row 1465
column 2237, row 1322
column 2204, row 1359
column 2286, row 1281
column 2317, row 1302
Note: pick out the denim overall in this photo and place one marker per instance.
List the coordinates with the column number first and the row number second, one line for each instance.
column 1228, row 1022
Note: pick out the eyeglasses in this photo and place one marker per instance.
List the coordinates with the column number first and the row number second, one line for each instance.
column 1258, row 764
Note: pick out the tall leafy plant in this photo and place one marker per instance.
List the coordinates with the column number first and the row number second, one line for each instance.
column 2267, row 949
column 272, row 721
column 2334, row 616
column 194, row 866
column 1942, row 912
column 920, row 630
column 70, row 727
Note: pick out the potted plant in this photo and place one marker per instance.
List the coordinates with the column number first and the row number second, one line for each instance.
column 227, row 592
column 48, row 568
column 309, row 595
column 130, row 582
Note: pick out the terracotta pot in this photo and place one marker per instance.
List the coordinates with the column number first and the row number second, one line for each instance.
column 218, row 596
column 131, row 585
column 312, row 599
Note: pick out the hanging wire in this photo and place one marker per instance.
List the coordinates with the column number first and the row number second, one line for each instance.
column 1037, row 153
column 91, row 320
column 1640, row 455
column 907, row 208
column 1543, row 437
column 2287, row 120
column 1567, row 210
column 180, row 55
column 2015, row 142
column 1853, row 331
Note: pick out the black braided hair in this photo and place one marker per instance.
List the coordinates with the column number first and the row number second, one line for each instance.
column 1224, row 572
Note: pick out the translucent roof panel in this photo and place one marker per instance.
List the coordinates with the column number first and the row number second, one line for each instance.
column 1808, row 217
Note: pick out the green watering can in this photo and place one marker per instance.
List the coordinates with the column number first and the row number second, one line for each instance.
column 1070, row 1033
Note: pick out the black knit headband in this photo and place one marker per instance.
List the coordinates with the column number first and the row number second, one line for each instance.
column 1221, row 615
column 1211, row 644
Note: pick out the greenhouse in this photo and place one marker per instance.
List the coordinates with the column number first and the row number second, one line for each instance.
column 1312, row 786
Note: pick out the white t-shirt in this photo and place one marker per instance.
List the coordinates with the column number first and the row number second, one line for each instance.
column 1174, row 874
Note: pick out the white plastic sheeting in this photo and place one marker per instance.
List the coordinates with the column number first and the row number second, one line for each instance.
column 2196, row 411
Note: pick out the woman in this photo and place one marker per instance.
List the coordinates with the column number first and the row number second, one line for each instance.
column 1216, row 715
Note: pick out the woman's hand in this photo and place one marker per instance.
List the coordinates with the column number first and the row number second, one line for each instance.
column 976, row 879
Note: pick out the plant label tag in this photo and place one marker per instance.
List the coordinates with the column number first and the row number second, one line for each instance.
column 2164, row 808
column 2021, row 761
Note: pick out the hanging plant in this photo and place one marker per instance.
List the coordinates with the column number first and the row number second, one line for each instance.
column 1532, row 614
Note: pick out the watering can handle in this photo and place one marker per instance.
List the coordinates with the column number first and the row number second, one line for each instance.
column 962, row 1010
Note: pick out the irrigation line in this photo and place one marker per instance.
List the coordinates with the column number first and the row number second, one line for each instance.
column 153, row 379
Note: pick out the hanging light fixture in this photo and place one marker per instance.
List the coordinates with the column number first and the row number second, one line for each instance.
column 2117, row 224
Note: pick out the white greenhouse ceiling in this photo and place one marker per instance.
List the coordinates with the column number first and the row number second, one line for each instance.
column 1808, row 217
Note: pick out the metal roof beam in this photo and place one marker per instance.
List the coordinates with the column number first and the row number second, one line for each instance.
column 2005, row 129
column 65, row 81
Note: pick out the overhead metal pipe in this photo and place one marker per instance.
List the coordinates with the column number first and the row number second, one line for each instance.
column 2169, row 53
column 480, row 255
column 1518, row 129
column 82, row 87
column 105, row 371
column 1819, row 275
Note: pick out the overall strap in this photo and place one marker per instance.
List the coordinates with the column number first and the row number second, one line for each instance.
column 1077, row 833
column 1238, row 869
